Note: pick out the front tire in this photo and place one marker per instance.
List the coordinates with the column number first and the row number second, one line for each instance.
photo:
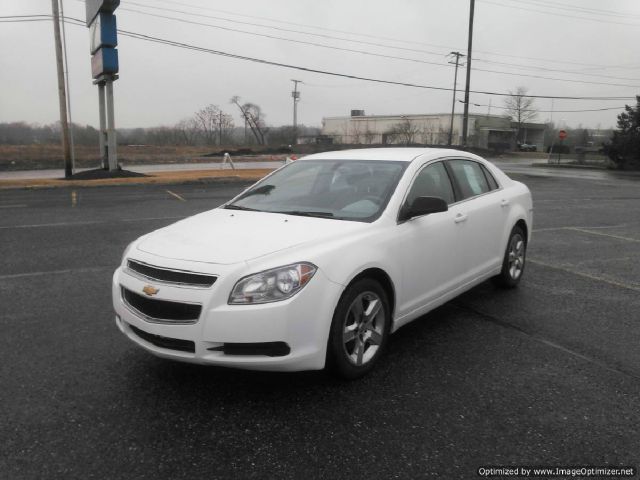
column 359, row 329
column 514, row 260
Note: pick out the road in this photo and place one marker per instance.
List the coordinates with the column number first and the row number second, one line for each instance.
column 545, row 374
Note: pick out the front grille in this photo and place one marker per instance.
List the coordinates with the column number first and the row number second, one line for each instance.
column 165, row 342
column 181, row 277
column 161, row 311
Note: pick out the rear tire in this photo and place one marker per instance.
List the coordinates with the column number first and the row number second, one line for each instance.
column 514, row 260
column 359, row 329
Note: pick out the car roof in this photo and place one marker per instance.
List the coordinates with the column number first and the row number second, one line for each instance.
column 395, row 154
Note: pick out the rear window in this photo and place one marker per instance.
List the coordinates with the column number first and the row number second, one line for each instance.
column 493, row 185
column 469, row 177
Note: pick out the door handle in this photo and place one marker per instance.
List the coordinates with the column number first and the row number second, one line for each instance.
column 504, row 203
column 461, row 217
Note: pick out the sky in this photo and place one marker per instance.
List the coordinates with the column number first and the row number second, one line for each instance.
column 585, row 48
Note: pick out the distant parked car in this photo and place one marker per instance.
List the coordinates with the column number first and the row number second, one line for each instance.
column 319, row 262
column 527, row 147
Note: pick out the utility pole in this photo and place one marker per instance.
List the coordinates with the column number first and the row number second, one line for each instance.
column 66, row 77
column 62, row 93
column 296, row 97
column 465, row 120
column 455, row 84
column 220, row 128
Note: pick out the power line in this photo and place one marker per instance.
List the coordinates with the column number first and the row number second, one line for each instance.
column 548, row 111
column 284, row 22
column 26, row 16
column 554, row 78
column 364, row 35
column 560, row 15
column 274, row 37
column 545, row 69
column 369, row 53
column 439, row 54
column 187, row 46
column 321, row 35
column 25, row 20
column 579, row 9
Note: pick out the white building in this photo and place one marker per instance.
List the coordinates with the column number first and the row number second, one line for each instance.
column 485, row 131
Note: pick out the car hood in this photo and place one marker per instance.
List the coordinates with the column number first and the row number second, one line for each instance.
column 230, row 236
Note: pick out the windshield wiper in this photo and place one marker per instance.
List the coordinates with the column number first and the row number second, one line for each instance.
column 302, row 213
column 240, row 207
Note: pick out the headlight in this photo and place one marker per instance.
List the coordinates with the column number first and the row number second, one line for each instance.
column 272, row 285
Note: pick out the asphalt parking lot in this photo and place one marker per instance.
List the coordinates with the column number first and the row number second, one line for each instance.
column 548, row 374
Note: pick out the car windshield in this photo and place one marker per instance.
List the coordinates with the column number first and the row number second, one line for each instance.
column 338, row 189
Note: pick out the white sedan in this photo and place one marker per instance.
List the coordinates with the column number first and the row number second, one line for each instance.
column 319, row 262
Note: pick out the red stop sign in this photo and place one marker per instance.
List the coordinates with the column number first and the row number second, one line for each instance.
column 562, row 134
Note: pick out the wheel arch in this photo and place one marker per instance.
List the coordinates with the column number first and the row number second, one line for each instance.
column 523, row 225
column 383, row 278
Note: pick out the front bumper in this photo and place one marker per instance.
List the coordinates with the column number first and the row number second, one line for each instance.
column 301, row 323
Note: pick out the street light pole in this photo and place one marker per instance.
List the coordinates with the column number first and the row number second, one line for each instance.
column 455, row 84
column 296, row 97
column 465, row 121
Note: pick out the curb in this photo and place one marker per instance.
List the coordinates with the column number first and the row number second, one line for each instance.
column 571, row 166
column 158, row 178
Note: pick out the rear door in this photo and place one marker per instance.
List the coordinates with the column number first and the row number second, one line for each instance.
column 479, row 214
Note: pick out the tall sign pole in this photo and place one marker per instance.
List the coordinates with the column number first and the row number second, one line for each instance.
column 455, row 84
column 465, row 120
column 104, row 69
column 296, row 97
column 62, row 92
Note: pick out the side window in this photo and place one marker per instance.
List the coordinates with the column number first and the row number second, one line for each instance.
column 432, row 181
column 493, row 185
column 469, row 177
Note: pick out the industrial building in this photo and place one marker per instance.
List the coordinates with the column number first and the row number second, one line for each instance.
column 495, row 132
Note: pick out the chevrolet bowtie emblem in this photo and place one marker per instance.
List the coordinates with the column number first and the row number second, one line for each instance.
column 149, row 290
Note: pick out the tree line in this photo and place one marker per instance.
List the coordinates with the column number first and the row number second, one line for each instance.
column 209, row 126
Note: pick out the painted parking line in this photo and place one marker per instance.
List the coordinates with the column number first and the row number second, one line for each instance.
column 91, row 222
column 175, row 195
column 628, row 286
column 56, row 272
column 618, row 237
column 581, row 227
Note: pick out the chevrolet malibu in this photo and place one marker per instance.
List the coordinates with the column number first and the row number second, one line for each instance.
column 319, row 262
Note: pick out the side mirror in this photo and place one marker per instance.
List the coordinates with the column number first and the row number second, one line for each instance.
column 423, row 206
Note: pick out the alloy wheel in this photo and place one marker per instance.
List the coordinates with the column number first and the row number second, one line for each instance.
column 363, row 328
column 516, row 256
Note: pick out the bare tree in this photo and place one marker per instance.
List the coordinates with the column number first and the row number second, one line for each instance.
column 253, row 116
column 356, row 132
column 404, row 132
column 225, row 128
column 187, row 131
column 208, row 123
column 369, row 136
column 520, row 108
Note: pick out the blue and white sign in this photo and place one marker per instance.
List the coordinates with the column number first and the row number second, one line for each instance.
column 102, row 32
column 104, row 62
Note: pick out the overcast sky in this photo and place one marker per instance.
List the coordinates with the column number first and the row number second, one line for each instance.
column 159, row 85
